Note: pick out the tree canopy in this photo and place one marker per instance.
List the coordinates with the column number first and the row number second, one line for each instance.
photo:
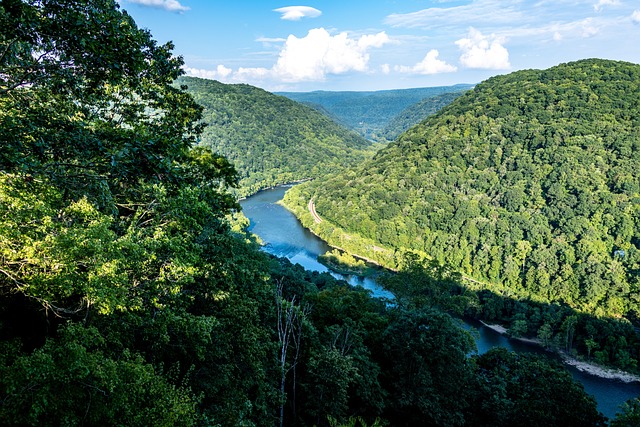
column 527, row 182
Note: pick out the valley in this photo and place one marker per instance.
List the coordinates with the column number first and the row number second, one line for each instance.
column 284, row 236
column 135, row 291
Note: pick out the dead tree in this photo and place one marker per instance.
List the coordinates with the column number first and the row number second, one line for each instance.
column 290, row 318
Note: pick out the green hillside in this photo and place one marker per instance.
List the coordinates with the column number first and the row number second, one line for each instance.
column 528, row 183
column 416, row 113
column 369, row 113
column 271, row 139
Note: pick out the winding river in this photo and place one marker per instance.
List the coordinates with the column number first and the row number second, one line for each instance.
column 284, row 236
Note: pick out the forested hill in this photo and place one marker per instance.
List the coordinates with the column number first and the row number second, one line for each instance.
column 529, row 183
column 416, row 113
column 369, row 113
column 271, row 139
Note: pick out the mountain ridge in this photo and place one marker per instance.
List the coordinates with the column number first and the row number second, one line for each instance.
column 271, row 139
column 369, row 112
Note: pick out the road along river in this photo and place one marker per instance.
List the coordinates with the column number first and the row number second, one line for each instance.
column 284, row 236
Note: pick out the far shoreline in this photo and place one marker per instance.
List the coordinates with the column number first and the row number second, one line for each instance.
column 582, row 366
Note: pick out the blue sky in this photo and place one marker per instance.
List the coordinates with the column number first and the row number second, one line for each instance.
column 387, row 44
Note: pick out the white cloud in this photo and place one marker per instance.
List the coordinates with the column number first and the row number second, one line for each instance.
column 385, row 68
column 169, row 5
column 310, row 58
column 319, row 53
column 558, row 31
column 296, row 13
column 429, row 65
column 635, row 16
column 220, row 73
column 270, row 40
column 585, row 28
column 245, row 74
column 373, row 40
column 601, row 3
column 485, row 52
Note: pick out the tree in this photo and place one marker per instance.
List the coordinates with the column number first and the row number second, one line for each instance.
column 330, row 374
column 87, row 99
column 95, row 132
column 72, row 381
column 545, row 335
column 629, row 416
column 524, row 389
column 110, row 224
column 426, row 368
column 289, row 318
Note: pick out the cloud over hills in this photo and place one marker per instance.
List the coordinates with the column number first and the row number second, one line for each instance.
column 429, row 65
column 484, row 52
column 310, row 58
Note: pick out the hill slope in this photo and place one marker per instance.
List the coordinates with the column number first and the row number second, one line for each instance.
column 529, row 182
column 369, row 112
column 271, row 139
column 416, row 113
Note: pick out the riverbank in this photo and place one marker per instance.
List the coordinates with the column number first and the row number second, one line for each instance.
column 300, row 215
column 346, row 264
column 587, row 367
column 600, row 371
column 252, row 193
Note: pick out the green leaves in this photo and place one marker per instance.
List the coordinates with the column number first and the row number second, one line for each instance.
column 71, row 380
column 87, row 99
column 528, row 390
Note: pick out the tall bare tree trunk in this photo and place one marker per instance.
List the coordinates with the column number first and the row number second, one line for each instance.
column 289, row 325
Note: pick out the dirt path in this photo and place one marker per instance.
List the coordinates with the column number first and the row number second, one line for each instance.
column 312, row 209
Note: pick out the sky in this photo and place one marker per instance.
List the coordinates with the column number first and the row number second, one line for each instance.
column 385, row 44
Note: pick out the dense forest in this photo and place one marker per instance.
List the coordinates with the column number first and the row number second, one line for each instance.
column 270, row 139
column 416, row 113
column 371, row 113
column 126, row 298
column 528, row 185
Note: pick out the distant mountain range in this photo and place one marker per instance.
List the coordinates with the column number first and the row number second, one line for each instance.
column 370, row 113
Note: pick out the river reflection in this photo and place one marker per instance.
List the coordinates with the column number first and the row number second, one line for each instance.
column 284, row 236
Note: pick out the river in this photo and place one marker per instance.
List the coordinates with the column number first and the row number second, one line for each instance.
column 284, row 236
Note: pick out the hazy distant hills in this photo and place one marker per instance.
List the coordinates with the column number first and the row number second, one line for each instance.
column 529, row 182
column 369, row 113
column 416, row 113
column 271, row 139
